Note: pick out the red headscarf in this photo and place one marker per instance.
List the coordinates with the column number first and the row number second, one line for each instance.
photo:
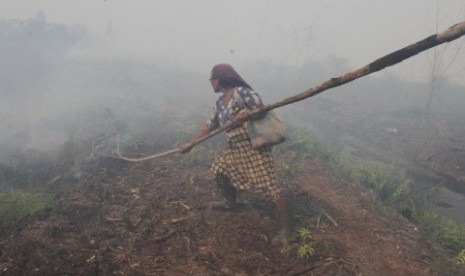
column 227, row 76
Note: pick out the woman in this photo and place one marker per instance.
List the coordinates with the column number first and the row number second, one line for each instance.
column 239, row 166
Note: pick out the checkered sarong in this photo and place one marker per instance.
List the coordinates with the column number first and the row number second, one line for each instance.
column 247, row 168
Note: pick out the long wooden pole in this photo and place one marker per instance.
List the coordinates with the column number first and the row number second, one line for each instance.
column 452, row 33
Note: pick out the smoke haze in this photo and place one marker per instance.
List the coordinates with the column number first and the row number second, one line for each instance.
column 85, row 69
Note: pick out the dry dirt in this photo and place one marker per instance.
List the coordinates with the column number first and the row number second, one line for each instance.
column 151, row 219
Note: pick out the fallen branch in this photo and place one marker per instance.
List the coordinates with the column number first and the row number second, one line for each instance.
column 330, row 218
column 448, row 35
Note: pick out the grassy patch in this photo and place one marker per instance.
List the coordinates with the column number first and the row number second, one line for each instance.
column 16, row 206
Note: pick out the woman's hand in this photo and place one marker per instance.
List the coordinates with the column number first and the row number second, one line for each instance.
column 185, row 148
column 241, row 116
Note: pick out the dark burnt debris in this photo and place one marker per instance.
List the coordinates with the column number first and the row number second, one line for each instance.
column 152, row 219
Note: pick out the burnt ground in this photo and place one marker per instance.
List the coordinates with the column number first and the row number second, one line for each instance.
column 152, row 218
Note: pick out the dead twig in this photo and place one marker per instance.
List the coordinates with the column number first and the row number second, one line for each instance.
column 185, row 206
column 330, row 218
column 175, row 220
column 164, row 237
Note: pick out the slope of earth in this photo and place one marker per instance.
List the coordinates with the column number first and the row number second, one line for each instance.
column 152, row 219
column 397, row 130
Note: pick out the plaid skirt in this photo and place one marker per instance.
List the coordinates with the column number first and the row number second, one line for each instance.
column 247, row 168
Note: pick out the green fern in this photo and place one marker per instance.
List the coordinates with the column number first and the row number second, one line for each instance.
column 305, row 251
column 305, row 234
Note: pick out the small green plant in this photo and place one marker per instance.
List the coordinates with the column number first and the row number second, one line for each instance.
column 339, row 164
column 460, row 259
column 306, row 245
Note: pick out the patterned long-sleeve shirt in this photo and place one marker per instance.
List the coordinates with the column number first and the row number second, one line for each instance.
column 243, row 97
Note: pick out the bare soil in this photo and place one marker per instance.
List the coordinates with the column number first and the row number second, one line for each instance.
column 152, row 219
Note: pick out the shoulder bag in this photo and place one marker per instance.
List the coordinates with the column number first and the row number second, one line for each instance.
column 266, row 131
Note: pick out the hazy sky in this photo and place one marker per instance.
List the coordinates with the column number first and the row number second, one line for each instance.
column 198, row 34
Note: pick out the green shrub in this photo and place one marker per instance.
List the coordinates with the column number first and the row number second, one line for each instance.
column 389, row 186
column 448, row 233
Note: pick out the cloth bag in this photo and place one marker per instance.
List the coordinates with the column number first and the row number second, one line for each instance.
column 266, row 131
